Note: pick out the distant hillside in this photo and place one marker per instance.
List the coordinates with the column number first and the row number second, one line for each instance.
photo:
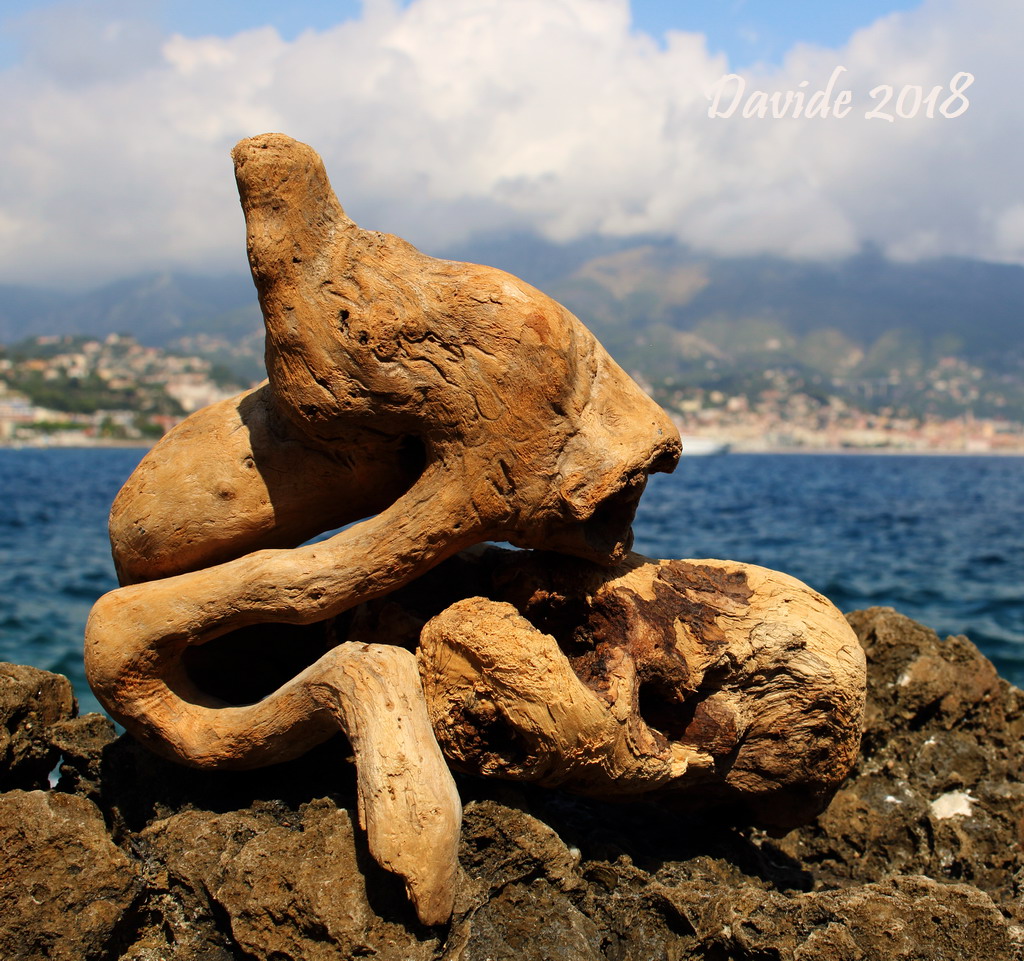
column 872, row 331
column 155, row 308
column 940, row 338
column 214, row 317
column 949, row 307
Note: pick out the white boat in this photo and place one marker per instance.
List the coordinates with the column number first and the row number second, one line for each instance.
column 703, row 446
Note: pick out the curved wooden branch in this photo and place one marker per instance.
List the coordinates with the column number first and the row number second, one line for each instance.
column 408, row 802
column 237, row 476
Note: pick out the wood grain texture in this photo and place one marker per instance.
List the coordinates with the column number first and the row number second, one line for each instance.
column 446, row 403
column 700, row 683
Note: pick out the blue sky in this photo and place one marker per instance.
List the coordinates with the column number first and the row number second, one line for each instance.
column 442, row 119
column 747, row 31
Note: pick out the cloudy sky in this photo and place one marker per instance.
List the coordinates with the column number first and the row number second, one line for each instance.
column 438, row 119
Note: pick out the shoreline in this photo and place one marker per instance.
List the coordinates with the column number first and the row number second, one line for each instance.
column 884, row 451
column 732, row 448
column 80, row 445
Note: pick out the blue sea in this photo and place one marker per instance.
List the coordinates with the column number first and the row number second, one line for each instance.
column 939, row 538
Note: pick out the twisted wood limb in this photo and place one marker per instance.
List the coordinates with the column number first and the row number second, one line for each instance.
column 238, row 476
column 408, row 802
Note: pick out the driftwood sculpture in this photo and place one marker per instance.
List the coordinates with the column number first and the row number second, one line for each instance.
column 450, row 404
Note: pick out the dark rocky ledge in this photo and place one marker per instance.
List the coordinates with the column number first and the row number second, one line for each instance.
column 131, row 858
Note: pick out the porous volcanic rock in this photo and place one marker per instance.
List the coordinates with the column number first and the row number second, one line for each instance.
column 918, row 857
column 938, row 789
column 65, row 887
column 31, row 701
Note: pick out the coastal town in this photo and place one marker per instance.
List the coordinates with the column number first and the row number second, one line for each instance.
column 797, row 422
column 84, row 391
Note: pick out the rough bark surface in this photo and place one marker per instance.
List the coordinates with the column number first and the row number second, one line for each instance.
column 917, row 857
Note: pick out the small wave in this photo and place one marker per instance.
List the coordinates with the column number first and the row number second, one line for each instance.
column 988, row 560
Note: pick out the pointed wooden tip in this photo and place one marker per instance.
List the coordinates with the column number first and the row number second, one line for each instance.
column 278, row 176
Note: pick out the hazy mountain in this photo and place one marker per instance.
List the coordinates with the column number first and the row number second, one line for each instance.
column 155, row 308
column 946, row 307
column 678, row 318
column 216, row 317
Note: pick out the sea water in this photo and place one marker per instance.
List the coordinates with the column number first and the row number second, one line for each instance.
column 939, row 538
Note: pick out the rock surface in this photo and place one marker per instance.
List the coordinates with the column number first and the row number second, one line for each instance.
column 31, row 702
column 918, row 857
column 65, row 887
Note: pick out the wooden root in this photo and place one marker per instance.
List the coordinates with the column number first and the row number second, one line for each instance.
column 408, row 802
column 700, row 683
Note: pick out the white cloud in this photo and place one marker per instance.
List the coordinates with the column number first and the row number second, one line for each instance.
column 452, row 116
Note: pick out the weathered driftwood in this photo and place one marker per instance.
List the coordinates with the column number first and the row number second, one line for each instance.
column 455, row 402
column 450, row 404
column 461, row 401
column 703, row 683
